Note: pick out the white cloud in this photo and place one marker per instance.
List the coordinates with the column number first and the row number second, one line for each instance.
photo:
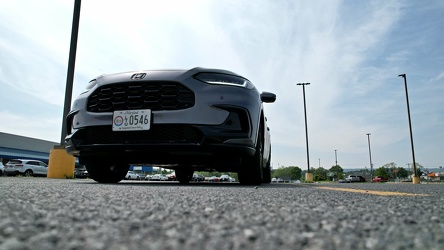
column 439, row 77
column 34, row 126
column 346, row 50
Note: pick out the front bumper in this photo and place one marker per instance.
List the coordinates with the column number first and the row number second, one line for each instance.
column 163, row 144
column 208, row 123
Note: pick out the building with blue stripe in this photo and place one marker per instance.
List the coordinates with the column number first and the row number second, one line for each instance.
column 21, row 147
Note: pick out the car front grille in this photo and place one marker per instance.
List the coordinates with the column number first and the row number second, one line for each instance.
column 165, row 133
column 140, row 95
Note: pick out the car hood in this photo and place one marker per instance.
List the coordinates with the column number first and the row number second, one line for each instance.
column 157, row 75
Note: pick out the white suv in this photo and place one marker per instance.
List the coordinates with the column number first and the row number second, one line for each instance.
column 159, row 177
column 352, row 178
column 2, row 168
column 132, row 176
column 226, row 178
column 26, row 167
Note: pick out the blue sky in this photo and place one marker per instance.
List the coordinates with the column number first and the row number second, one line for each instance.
column 350, row 51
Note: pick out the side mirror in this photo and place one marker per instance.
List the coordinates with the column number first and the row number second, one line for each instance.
column 268, row 97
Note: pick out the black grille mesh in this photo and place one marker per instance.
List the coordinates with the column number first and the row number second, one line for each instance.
column 140, row 95
column 165, row 133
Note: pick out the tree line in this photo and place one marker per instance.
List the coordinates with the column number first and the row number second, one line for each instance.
column 389, row 170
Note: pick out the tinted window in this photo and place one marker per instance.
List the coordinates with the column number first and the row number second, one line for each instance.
column 15, row 162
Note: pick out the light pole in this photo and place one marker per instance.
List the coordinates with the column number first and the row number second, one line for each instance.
column 415, row 177
column 370, row 154
column 61, row 165
column 71, row 66
column 336, row 157
column 336, row 164
column 309, row 176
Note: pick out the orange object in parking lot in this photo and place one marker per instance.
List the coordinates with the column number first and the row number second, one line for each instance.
column 61, row 164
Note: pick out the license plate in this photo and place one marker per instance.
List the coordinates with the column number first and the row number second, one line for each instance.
column 130, row 120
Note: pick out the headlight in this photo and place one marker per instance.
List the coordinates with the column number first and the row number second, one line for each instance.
column 90, row 85
column 223, row 79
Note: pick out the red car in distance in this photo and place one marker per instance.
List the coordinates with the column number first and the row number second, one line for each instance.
column 380, row 179
column 172, row 176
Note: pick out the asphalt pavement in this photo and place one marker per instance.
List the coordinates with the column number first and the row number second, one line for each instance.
column 43, row 213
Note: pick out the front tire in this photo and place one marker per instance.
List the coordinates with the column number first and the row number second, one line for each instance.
column 251, row 169
column 184, row 174
column 266, row 175
column 106, row 172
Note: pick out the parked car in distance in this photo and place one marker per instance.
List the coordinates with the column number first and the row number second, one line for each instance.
column 80, row 172
column 361, row 178
column 225, row 178
column 159, row 177
column 148, row 177
column 172, row 176
column 26, row 167
column 342, row 181
column 277, row 180
column 2, row 168
column 198, row 177
column 352, row 178
column 131, row 175
column 380, row 179
column 214, row 179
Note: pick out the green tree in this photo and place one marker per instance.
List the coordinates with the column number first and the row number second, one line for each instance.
column 382, row 171
column 402, row 173
column 293, row 172
column 390, row 165
column 392, row 169
column 338, row 172
column 419, row 169
column 303, row 173
column 319, row 174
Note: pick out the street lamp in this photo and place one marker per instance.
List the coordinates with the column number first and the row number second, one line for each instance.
column 415, row 177
column 370, row 154
column 61, row 164
column 336, row 158
column 336, row 164
column 71, row 66
column 310, row 177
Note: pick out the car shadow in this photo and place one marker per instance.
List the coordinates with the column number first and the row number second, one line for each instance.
column 191, row 184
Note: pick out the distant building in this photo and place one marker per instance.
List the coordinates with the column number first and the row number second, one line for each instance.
column 21, row 147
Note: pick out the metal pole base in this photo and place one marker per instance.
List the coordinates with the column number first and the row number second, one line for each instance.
column 415, row 180
column 308, row 177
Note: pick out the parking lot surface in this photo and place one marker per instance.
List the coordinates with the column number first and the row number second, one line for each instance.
column 43, row 213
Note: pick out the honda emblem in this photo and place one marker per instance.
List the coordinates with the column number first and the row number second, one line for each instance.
column 138, row 76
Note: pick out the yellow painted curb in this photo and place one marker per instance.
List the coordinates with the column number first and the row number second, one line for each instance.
column 384, row 193
column 308, row 177
column 61, row 164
